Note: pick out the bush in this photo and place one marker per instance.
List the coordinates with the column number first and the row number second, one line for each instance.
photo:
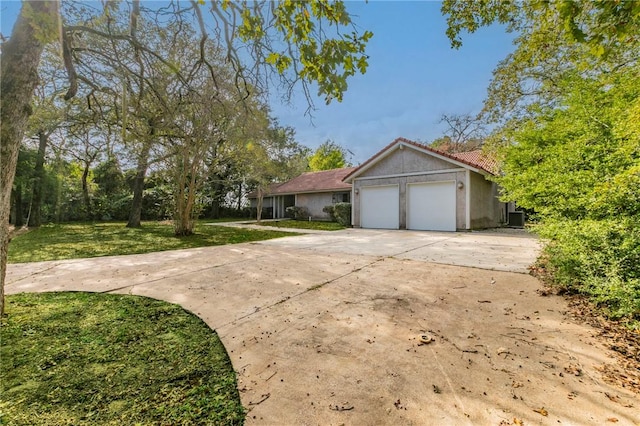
column 297, row 212
column 342, row 213
column 331, row 211
column 113, row 207
column 599, row 258
column 339, row 212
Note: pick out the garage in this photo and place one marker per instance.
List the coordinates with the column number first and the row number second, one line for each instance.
column 433, row 190
column 431, row 206
column 380, row 207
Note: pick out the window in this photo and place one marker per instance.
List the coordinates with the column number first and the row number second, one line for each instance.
column 341, row 197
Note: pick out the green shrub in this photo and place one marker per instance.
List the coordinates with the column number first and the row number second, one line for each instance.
column 330, row 210
column 599, row 258
column 342, row 213
column 297, row 212
column 339, row 212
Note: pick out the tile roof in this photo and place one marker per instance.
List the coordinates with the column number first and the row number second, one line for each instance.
column 324, row 181
column 476, row 159
column 480, row 159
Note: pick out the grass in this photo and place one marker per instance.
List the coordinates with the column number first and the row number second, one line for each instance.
column 81, row 240
column 305, row 224
column 225, row 219
column 83, row 358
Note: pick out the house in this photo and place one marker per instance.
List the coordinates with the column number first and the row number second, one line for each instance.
column 408, row 185
column 313, row 190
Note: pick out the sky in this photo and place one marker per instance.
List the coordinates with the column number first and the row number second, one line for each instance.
column 414, row 77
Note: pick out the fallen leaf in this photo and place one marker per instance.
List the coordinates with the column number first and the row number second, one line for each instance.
column 612, row 420
column 614, row 398
column 263, row 398
column 542, row 411
column 503, row 351
column 344, row 407
column 518, row 422
column 399, row 405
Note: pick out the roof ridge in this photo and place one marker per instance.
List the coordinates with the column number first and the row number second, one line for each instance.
column 489, row 168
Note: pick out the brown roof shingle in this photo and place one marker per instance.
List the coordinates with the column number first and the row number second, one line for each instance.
column 324, row 181
column 479, row 159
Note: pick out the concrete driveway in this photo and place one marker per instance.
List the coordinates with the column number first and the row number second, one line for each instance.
column 511, row 250
column 375, row 327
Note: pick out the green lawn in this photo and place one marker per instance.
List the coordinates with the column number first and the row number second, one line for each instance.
column 83, row 359
column 225, row 219
column 79, row 240
column 305, row 224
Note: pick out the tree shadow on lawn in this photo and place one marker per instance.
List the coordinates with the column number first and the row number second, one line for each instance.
column 84, row 240
column 73, row 357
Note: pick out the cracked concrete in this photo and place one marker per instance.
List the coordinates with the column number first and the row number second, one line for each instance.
column 326, row 328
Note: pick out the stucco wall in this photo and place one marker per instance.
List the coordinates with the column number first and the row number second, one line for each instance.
column 315, row 203
column 402, row 181
column 407, row 160
column 486, row 210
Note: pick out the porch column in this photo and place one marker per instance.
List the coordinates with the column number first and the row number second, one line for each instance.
column 281, row 215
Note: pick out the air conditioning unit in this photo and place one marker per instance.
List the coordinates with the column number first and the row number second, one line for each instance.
column 516, row 219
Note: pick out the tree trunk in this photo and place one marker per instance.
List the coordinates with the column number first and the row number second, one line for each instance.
column 185, row 206
column 215, row 209
column 240, row 196
column 58, row 200
column 259, row 206
column 17, row 199
column 19, row 77
column 35, row 218
column 85, row 191
column 217, row 189
column 138, row 187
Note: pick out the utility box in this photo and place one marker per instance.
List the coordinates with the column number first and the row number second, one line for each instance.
column 516, row 219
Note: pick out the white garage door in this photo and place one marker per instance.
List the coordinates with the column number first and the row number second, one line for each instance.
column 380, row 207
column 431, row 206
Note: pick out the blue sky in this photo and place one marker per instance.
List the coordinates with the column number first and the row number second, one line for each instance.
column 413, row 78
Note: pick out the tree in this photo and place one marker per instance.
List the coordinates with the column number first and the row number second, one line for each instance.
column 289, row 157
column 22, row 184
column 578, row 167
column 49, row 115
column 329, row 155
column 301, row 42
column 35, row 217
column 567, row 102
column 231, row 169
column 553, row 38
column 36, row 25
column 602, row 25
column 111, row 197
column 87, row 149
column 202, row 123
column 274, row 156
column 262, row 172
column 464, row 133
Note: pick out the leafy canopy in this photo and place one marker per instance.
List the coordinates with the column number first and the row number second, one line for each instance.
column 567, row 104
column 329, row 155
